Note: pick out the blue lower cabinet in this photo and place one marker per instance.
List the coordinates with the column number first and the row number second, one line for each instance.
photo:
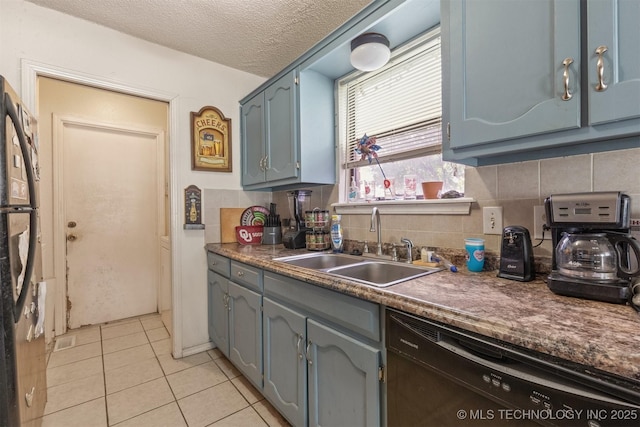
column 285, row 367
column 218, row 319
column 321, row 377
column 344, row 386
column 245, row 332
column 276, row 332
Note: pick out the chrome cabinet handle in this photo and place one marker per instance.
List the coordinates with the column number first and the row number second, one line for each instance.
column 300, row 356
column 565, row 75
column 601, row 86
column 240, row 273
column 266, row 160
column 308, row 352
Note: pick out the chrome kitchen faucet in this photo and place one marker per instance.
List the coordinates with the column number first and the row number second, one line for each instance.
column 375, row 225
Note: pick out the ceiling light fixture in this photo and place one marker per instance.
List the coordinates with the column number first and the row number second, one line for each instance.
column 369, row 51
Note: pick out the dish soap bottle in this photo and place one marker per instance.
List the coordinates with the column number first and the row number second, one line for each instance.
column 336, row 233
column 353, row 191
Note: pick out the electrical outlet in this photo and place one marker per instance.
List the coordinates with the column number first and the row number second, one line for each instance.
column 492, row 220
column 539, row 221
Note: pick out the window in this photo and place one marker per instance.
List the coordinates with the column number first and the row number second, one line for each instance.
column 401, row 106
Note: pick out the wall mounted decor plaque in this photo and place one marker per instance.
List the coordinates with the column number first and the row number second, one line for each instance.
column 210, row 140
column 193, row 208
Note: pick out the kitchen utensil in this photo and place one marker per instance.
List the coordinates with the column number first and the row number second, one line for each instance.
column 516, row 254
column 445, row 262
column 595, row 256
column 273, row 219
column 229, row 220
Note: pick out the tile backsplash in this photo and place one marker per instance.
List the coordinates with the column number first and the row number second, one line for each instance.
column 517, row 187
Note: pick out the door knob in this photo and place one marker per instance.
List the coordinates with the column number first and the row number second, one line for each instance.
column 71, row 237
column 71, row 224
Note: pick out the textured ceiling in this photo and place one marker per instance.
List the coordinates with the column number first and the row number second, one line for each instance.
column 257, row 36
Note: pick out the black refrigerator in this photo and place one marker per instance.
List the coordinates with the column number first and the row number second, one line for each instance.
column 22, row 345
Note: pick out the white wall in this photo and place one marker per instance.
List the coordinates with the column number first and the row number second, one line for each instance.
column 33, row 33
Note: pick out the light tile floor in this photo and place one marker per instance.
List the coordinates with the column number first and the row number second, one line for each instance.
column 122, row 374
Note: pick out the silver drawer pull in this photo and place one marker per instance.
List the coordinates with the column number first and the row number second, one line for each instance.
column 300, row 356
column 565, row 75
column 309, row 353
column 240, row 273
column 601, row 86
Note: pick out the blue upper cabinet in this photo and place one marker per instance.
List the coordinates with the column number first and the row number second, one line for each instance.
column 281, row 136
column 520, row 79
column 252, row 143
column 287, row 133
column 614, row 60
column 287, row 124
column 507, row 72
column 268, row 134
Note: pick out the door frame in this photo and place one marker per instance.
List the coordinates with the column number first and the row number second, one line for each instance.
column 59, row 212
column 30, row 72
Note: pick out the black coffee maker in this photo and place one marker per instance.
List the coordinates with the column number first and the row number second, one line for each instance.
column 594, row 255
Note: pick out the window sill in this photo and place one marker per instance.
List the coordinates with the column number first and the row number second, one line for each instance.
column 460, row 206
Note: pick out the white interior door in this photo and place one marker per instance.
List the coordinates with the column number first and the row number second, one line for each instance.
column 110, row 186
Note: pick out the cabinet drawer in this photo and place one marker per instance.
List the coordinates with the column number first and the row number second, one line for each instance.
column 246, row 275
column 362, row 317
column 218, row 263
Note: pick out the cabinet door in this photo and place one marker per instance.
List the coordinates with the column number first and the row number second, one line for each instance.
column 343, row 379
column 245, row 332
column 281, row 135
column 285, row 373
column 614, row 25
column 252, row 140
column 505, row 68
column 217, row 294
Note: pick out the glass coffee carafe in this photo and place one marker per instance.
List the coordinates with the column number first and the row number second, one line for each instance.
column 598, row 256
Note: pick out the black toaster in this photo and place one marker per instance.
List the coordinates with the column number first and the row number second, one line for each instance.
column 516, row 254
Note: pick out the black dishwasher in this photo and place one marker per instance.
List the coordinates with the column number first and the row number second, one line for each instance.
column 441, row 376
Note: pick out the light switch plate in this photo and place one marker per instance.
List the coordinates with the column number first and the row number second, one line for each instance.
column 492, row 220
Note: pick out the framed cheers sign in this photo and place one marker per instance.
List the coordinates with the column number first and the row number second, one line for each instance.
column 210, row 140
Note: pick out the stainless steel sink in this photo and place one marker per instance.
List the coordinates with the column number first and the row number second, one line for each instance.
column 381, row 274
column 363, row 270
column 320, row 261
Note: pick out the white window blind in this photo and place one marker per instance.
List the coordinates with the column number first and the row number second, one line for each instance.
column 401, row 105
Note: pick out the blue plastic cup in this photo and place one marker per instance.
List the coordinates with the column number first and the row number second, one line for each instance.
column 475, row 253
